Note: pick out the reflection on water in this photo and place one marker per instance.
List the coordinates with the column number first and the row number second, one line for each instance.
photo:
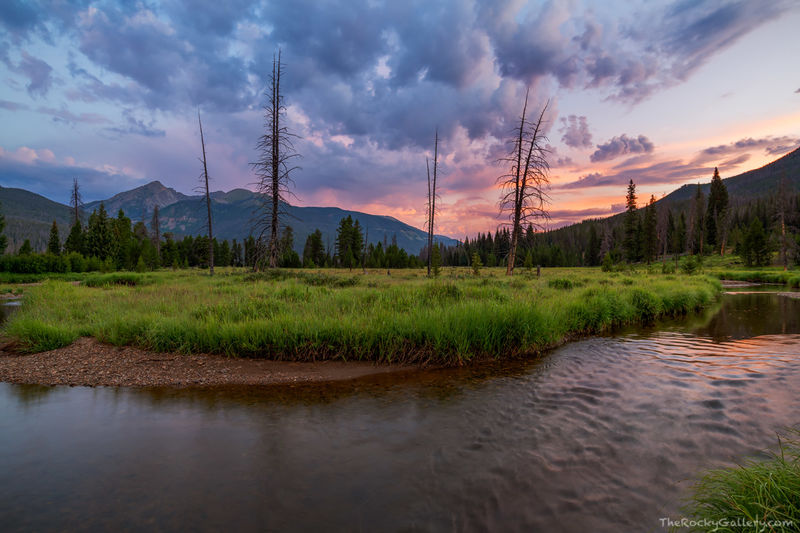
column 603, row 434
column 7, row 307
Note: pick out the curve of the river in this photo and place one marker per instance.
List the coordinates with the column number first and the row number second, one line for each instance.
column 604, row 434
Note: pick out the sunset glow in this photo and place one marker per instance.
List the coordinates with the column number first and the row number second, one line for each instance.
column 109, row 94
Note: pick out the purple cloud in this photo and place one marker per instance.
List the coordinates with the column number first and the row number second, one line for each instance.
column 576, row 132
column 622, row 145
column 771, row 145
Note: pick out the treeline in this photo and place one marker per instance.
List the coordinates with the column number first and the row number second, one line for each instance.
column 760, row 231
column 108, row 244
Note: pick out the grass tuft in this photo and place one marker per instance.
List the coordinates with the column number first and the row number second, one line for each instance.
column 765, row 494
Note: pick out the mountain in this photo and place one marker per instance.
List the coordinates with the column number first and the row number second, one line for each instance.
column 234, row 212
column 139, row 202
column 29, row 215
column 749, row 185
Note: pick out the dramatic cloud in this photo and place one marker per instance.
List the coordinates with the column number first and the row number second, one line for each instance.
column 622, row 145
column 38, row 73
column 771, row 146
column 38, row 171
column 576, row 132
column 366, row 83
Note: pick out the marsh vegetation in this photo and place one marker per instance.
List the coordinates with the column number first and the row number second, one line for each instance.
column 309, row 315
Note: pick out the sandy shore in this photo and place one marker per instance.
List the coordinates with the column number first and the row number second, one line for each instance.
column 87, row 362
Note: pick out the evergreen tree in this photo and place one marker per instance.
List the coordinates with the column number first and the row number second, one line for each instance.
column 3, row 238
column 755, row 249
column 75, row 240
column 155, row 230
column 287, row 257
column 697, row 234
column 436, row 260
column 631, row 242
column 681, row 236
column 672, row 232
column 54, row 244
column 314, row 250
column 716, row 214
column 593, row 250
column 650, row 233
column 26, row 248
column 100, row 242
column 124, row 239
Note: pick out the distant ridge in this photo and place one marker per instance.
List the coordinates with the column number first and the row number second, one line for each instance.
column 29, row 216
column 752, row 184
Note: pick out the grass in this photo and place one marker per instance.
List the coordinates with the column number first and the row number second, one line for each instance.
column 305, row 315
column 754, row 496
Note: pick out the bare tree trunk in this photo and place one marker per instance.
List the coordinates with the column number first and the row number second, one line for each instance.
column 208, row 200
column 527, row 179
column 432, row 199
column 276, row 117
column 75, row 202
column 273, row 171
column 428, row 222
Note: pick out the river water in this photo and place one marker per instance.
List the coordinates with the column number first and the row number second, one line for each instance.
column 604, row 434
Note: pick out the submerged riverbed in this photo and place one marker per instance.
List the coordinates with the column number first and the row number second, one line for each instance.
column 604, row 434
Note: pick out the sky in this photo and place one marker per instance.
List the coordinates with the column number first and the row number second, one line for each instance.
column 661, row 93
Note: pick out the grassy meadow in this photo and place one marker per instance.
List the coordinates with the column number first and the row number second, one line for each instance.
column 337, row 314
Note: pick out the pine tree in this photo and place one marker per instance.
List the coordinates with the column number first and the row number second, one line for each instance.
column 716, row 214
column 54, row 244
column 314, row 250
column 124, row 239
column 436, row 260
column 650, row 234
column 631, row 242
column 155, row 231
column 755, row 247
column 593, row 250
column 75, row 242
column 697, row 233
column 26, row 248
column 100, row 242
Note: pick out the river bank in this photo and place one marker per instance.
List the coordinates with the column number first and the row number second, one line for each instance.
column 87, row 362
column 237, row 327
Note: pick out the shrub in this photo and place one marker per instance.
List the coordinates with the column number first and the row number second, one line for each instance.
column 560, row 283
column 608, row 263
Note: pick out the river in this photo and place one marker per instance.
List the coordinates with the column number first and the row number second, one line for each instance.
column 603, row 434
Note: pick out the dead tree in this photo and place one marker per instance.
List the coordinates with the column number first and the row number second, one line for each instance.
column 273, row 168
column 75, row 201
column 524, row 187
column 204, row 182
column 432, row 198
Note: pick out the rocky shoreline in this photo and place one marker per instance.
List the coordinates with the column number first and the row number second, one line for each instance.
column 88, row 362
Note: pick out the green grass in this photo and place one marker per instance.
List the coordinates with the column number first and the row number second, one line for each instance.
column 758, row 492
column 304, row 315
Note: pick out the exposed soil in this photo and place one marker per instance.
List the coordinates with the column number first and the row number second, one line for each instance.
column 88, row 362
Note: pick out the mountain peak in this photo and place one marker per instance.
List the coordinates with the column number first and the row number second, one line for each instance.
column 139, row 202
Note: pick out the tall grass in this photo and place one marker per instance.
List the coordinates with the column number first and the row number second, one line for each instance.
column 790, row 278
column 302, row 316
column 764, row 494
